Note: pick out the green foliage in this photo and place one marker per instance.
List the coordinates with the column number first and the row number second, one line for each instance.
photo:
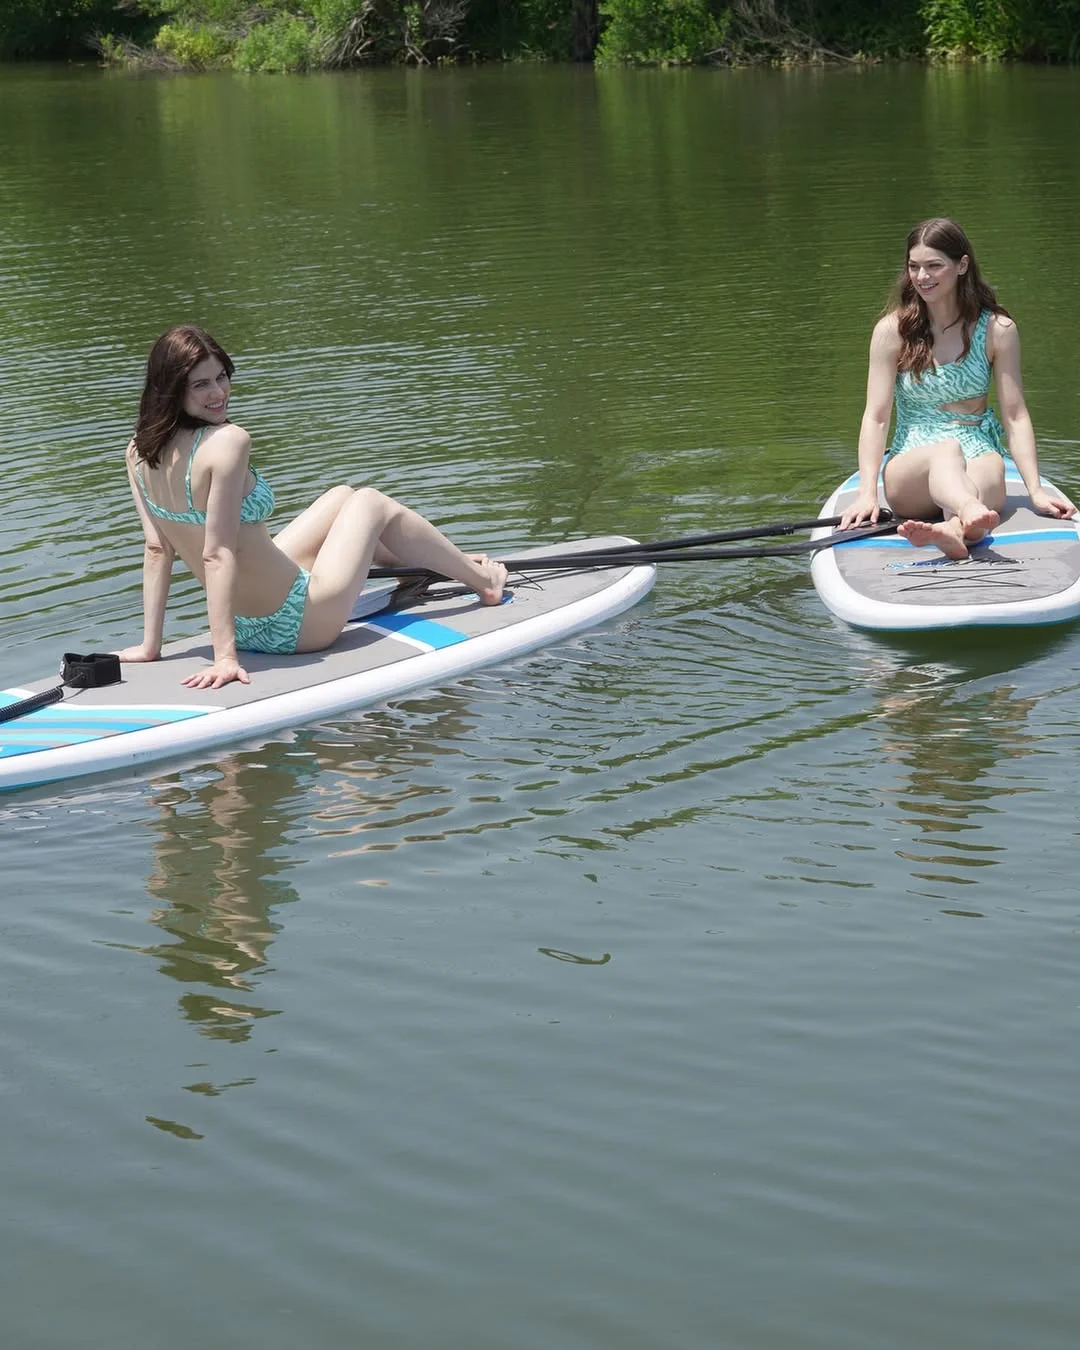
column 965, row 28
column 332, row 16
column 662, row 32
column 285, row 35
column 193, row 46
column 995, row 29
column 354, row 32
column 230, row 14
column 283, row 45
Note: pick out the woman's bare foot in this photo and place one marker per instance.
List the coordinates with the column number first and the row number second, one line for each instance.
column 495, row 574
column 947, row 535
column 976, row 519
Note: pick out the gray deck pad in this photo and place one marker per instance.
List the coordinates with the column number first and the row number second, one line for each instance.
column 1027, row 557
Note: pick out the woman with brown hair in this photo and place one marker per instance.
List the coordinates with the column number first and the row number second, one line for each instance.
column 933, row 354
column 198, row 496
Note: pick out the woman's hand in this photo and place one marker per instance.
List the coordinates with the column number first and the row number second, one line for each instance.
column 143, row 652
column 1046, row 505
column 864, row 510
column 222, row 672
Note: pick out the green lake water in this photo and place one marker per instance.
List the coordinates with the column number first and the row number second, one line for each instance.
column 709, row 980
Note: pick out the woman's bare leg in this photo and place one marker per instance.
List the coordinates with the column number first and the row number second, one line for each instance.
column 936, row 477
column 987, row 472
column 367, row 521
column 304, row 536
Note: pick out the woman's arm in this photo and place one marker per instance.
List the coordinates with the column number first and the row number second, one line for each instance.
column 1005, row 354
column 227, row 455
column 158, row 556
column 880, row 382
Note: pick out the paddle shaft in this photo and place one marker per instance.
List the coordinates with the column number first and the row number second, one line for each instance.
column 733, row 536
column 687, row 541
column 32, row 704
column 650, row 554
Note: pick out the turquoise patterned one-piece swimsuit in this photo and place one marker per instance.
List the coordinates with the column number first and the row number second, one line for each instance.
column 276, row 633
column 920, row 417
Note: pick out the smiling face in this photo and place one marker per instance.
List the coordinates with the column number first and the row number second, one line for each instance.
column 206, row 395
column 934, row 274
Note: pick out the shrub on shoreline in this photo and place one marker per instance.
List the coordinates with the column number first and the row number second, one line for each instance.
column 297, row 35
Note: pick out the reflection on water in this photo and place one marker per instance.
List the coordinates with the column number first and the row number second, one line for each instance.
column 219, row 875
column 959, row 732
column 221, row 849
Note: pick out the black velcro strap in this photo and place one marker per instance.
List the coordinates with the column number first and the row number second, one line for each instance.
column 93, row 671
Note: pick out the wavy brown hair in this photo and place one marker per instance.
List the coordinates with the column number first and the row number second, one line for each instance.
column 973, row 295
column 161, row 409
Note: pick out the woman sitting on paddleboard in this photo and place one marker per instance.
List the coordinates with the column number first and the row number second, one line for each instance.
column 198, row 496
column 933, row 354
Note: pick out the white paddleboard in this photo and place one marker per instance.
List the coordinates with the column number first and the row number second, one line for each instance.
column 151, row 716
column 1026, row 572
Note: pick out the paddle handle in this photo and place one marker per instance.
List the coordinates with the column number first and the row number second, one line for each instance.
column 32, row 704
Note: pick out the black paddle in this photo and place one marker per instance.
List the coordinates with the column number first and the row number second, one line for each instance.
column 630, row 555
column 731, row 536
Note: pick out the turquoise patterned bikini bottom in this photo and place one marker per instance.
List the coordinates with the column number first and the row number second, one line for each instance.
column 978, row 433
column 279, row 632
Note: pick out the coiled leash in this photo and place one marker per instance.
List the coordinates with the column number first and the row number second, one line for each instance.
column 93, row 671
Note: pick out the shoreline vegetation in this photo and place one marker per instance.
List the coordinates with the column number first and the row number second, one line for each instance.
column 286, row 36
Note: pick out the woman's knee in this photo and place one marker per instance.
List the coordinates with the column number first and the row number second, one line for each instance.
column 988, row 473
column 367, row 499
column 946, row 459
column 907, row 488
column 948, row 451
column 370, row 504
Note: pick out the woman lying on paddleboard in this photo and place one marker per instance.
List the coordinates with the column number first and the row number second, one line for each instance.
column 198, row 496
column 933, row 354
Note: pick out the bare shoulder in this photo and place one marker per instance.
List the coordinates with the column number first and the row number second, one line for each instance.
column 885, row 339
column 1003, row 334
column 227, row 445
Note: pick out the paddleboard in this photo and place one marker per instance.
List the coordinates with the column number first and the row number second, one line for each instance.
column 151, row 716
column 1026, row 572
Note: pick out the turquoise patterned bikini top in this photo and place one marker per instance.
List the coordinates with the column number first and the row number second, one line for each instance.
column 951, row 383
column 256, row 506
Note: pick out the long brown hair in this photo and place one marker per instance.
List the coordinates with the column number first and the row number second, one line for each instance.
column 973, row 295
column 161, row 409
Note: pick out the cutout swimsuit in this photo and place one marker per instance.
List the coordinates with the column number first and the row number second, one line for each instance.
column 278, row 632
column 921, row 418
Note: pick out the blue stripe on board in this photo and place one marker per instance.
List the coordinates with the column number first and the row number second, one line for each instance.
column 55, row 726
column 1020, row 537
column 1012, row 475
column 92, row 726
column 39, row 740
column 125, row 718
column 433, row 634
column 119, row 719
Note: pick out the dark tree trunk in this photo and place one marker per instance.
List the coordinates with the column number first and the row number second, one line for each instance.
column 586, row 29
